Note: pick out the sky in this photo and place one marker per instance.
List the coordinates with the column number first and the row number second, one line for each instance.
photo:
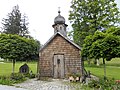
column 40, row 13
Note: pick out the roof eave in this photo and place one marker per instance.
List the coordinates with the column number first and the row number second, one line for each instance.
column 63, row 37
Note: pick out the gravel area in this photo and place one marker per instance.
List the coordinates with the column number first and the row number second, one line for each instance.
column 4, row 87
column 53, row 84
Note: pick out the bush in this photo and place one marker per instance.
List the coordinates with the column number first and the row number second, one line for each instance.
column 94, row 84
column 4, row 80
column 14, row 78
column 109, row 84
column 105, row 84
column 30, row 75
column 17, row 76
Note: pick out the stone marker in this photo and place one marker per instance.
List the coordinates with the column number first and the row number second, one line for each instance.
column 24, row 69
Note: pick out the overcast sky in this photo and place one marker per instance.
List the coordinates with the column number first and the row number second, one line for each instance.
column 41, row 14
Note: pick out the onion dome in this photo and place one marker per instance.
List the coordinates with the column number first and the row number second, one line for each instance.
column 59, row 19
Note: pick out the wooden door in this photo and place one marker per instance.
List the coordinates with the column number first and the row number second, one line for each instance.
column 58, row 66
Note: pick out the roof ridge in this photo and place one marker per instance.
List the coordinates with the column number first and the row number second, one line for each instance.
column 63, row 37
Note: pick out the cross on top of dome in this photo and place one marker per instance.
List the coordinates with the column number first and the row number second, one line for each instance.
column 59, row 10
column 59, row 19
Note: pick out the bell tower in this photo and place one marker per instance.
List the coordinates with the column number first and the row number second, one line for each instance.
column 59, row 24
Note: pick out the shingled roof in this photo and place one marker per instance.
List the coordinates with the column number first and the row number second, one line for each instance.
column 58, row 33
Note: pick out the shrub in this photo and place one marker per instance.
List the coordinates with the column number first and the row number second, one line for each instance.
column 108, row 84
column 94, row 84
column 17, row 76
column 104, row 84
column 30, row 75
column 5, row 80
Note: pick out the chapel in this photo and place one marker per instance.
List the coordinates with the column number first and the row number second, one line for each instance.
column 59, row 56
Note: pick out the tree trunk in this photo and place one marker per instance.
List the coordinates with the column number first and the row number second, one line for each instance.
column 104, row 68
column 13, row 69
column 95, row 61
column 82, row 66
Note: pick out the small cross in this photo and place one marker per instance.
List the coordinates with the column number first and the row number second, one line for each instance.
column 59, row 10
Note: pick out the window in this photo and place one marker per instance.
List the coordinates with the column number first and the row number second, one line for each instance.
column 60, row 28
column 58, row 61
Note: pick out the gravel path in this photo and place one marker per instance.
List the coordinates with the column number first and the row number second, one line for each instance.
column 4, row 87
column 54, row 84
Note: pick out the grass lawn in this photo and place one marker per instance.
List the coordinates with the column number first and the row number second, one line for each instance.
column 6, row 67
column 112, row 69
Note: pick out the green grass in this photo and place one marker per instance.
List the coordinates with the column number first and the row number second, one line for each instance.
column 6, row 68
column 114, row 62
column 112, row 69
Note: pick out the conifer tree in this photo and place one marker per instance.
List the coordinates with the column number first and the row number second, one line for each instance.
column 15, row 23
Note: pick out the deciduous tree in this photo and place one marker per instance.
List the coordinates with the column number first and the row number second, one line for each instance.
column 14, row 47
column 88, row 16
column 103, row 45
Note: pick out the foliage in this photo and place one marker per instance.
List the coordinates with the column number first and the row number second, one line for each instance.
column 30, row 75
column 17, row 77
column 102, row 45
column 5, row 80
column 14, row 47
column 104, row 84
column 91, row 48
column 15, row 23
column 94, row 84
column 10, row 80
column 88, row 16
column 86, row 47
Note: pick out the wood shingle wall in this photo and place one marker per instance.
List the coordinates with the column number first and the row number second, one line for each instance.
column 59, row 45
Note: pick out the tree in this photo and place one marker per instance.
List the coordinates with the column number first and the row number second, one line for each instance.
column 88, row 43
column 24, row 27
column 103, row 45
column 88, row 16
column 14, row 47
column 15, row 23
column 36, row 44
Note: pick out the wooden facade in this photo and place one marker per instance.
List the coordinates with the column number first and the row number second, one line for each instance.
column 59, row 57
